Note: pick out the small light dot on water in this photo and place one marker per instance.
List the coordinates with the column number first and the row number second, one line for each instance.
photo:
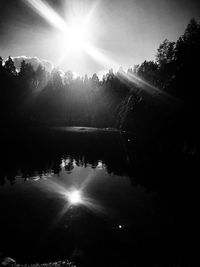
column 120, row 226
column 129, row 140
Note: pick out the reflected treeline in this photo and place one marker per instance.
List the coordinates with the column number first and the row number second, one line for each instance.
column 40, row 153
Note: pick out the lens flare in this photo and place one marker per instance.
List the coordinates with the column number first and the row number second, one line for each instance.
column 74, row 197
column 74, row 32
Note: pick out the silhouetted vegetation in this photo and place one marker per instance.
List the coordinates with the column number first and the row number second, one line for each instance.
column 43, row 151
column 37, row 97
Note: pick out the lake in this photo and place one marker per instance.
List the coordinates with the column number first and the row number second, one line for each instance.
column 121, row 212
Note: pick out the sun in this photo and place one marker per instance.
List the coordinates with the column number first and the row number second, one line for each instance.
column 76, row 37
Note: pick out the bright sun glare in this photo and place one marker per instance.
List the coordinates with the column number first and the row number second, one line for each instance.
column 74, row 197
column 76, row 37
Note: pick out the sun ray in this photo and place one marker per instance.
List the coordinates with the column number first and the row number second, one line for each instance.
column 149, row 88
column 101, row 58
column 75, row 32
column 45, row 11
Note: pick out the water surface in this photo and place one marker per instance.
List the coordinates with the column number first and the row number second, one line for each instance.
column 118, row 219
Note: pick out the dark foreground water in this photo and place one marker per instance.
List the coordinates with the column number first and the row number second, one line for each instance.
column 134, row 205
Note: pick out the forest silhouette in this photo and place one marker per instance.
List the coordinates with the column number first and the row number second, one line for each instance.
column 36, row 97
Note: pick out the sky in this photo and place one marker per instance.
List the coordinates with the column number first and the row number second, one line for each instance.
column 119, row 32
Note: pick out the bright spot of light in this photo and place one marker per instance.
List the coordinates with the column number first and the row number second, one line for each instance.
column 100, row 57
column 75, row 31
column 74, row 197
column 76, row 37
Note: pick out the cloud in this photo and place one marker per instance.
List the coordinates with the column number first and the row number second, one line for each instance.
column 34, row 61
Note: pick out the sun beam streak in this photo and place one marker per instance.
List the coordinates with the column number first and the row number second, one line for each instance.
column 45, row 11
column 134, row 79
column 93, row 52
column 149, row 88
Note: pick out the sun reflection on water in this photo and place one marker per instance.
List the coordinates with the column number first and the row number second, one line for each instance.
column 74, row 197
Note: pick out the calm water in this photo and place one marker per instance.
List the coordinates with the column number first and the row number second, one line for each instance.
column 122, row 214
